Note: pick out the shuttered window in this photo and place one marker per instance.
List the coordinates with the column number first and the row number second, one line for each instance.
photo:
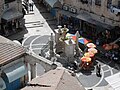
column 98, row 2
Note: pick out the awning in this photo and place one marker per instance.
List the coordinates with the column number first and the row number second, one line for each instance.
column 86, row 17
column 2, row 84
column 16, row 71
column 67, row 13
column 114, row 81
column 52, row 2
column 11, row 14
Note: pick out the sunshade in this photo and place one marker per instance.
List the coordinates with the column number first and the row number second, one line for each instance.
column 86, row 59
column 74, row 38
column 93, row 50
column 89, row 54
column 91, row 45
column 69, row 35
column 83, row 40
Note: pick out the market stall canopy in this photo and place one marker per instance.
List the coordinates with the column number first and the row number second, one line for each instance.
column 89, row 54
column 93, row 50
column 88, row 18
column 91, row 45
column 83, row 40
column 11, row 14
column 67, row 13
column 86, row 59
column 69, row 35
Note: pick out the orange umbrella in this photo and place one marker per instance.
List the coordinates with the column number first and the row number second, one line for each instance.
column 89, row 54
column 91, row 45
column 93, row 50
column 86, row 59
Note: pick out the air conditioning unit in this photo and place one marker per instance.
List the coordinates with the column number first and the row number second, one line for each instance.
column 6, row 6
column 65, row 7
column 73, row 10
column 115, row 10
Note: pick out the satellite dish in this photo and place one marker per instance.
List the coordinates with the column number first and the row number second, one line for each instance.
column 17, row 42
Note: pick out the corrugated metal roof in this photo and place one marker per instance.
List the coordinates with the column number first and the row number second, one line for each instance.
column 58, row 79
column 9, row 50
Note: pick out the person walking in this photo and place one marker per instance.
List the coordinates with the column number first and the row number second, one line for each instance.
column 31, row 6
column 98, row 70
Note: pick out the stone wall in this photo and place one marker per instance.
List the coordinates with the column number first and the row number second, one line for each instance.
column 97, row 11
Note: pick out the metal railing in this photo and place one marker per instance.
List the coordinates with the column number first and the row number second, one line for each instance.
column 45, row 48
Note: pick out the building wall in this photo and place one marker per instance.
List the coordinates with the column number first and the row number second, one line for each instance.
column 1, row 8
column 97, row 11
column 17, row 4
column 4, row 7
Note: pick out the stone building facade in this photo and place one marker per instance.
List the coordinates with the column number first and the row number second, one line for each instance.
column 100, row 10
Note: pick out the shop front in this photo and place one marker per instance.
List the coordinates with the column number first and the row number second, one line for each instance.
column 92, row 28
column 69, row 19
column 52, row 6
column 12, row 21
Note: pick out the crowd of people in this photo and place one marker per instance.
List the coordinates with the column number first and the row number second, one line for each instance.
column 27, row 7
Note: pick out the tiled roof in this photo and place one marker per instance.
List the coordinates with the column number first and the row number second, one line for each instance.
column 58, row 79
column 9, row 50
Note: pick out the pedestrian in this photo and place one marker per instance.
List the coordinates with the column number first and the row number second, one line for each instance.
column 31, row 6
column 98, row 70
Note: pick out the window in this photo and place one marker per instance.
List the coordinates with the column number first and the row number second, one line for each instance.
column 98, row 2
column 65, row 7
column 119, row 4
column 109, row 2
column 84, row 1
column 90, row 2
column 6, row 6
column 8, row 1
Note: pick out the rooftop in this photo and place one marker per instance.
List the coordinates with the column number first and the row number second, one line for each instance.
column 9, row 50
column 57, row 79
